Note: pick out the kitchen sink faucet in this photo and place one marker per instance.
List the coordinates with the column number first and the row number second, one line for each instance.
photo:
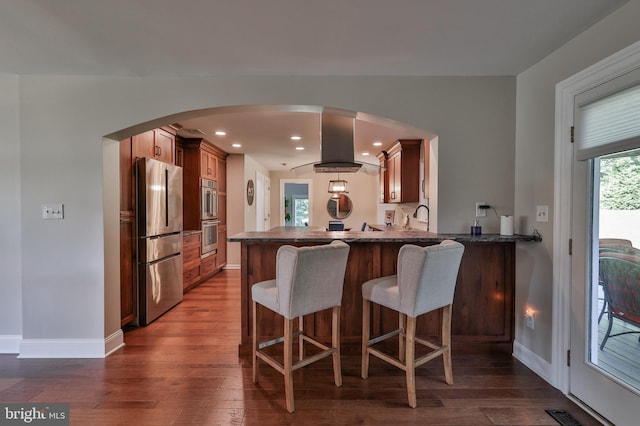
column 415, row 213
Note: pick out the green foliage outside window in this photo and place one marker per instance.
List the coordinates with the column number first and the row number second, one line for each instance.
column 620, row 183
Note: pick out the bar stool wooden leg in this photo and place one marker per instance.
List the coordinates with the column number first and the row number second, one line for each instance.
column 446, row 342
column 366, row 318
column 335, row 343
column 256, row 321
column 300, row 339
column 288, row 363
column 410, row 368
column 402, row 324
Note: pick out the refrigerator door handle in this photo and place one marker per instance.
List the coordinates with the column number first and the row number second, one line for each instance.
column 166, row 197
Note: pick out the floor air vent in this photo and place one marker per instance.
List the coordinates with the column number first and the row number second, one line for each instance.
column 564, row 418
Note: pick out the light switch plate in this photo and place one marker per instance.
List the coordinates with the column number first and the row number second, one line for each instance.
column 53, row 211
column 542, row 213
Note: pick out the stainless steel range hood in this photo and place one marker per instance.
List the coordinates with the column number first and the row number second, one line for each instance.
column 337, row 145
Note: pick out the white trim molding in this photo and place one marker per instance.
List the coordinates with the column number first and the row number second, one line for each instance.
column 71, row 348
column 533, row 361
column 232, row 266
column 10, row 344
column 620, row 63
column 113, row 343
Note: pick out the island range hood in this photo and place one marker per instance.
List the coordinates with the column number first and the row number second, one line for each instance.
column 337, row 145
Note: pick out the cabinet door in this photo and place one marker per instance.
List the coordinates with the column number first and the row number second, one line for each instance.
column 156, row 144
column 164, row 143
column 394, row 178
column 222, row 209
column 384, row 195
column 143, row 145
column 221, row 259
column 208, row 165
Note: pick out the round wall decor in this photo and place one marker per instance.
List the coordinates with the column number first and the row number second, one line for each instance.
column 250, row 192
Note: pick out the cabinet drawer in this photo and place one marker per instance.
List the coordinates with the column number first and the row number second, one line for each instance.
column 191, row 240
column 190, row 254
column 208, row 265
column 191, row 275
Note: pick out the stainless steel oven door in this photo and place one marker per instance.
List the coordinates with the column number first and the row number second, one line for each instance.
column 209, row 199
column 209, row 237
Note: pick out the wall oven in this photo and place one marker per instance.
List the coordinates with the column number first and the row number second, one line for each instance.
column 208, row 199
column 209, row 237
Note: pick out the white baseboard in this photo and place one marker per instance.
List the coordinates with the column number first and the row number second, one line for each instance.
column 71, row 348
column 113, row 343
column 231, row 266
column 533, row 361
column 10, row 344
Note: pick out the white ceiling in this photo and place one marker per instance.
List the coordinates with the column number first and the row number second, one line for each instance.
column 287, row 37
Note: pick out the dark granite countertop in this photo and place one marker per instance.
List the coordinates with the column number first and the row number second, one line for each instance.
column 390, row 234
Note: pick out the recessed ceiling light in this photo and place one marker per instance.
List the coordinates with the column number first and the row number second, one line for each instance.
column 296, row 138
column 236, row 145
column 220, row 132
column 365, row 153
column 299, row 148
column 377, row 143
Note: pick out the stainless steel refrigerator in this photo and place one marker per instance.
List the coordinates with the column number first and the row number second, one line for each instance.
column 159, row 225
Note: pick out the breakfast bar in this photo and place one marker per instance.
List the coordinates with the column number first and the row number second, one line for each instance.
column 483, row 307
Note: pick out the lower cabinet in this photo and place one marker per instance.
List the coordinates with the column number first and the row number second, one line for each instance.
column 191, row 259
column 195, row 268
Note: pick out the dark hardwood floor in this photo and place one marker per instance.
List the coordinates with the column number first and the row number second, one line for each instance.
column 184, row 369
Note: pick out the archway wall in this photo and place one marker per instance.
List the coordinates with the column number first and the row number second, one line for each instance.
column 63, row 120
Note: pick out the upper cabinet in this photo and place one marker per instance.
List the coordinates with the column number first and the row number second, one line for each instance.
column 208, row 165
column 401, row 177
column 384, row 181
column 202, row 160
column 158, row 144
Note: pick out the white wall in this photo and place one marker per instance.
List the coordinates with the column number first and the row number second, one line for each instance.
column 63, row 120
column 363, row 194
column 535, row 163
column 10, row 243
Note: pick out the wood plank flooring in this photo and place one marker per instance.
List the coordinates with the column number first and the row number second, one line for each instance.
column 184, row 369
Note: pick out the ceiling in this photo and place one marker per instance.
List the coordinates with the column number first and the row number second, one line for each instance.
column 287, row 37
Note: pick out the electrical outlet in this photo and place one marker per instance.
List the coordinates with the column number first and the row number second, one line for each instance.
column 480, row 212
column 542, row 213
column 529, row 318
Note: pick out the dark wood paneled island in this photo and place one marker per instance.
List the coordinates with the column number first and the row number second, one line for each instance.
column 483, row 307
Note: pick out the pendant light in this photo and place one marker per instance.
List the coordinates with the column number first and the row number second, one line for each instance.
column 338, row 186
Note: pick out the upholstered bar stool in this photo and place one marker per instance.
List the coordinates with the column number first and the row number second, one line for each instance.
column 308, row 280
column 425, row 281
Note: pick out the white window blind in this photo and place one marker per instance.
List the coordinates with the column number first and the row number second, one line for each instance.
column 608, row 117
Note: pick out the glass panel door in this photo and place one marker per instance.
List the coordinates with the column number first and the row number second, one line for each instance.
column 605, row 350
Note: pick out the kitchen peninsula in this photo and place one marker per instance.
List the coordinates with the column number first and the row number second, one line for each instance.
column 483, row 308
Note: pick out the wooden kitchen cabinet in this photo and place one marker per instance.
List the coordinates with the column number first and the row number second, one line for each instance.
column 158, row 144
column 203, row 160
column 191, row 264
column 208, row 165
column 382, row 160
column 402, row 175
column 199, row 155
column 221, row 257
column 128, row 280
